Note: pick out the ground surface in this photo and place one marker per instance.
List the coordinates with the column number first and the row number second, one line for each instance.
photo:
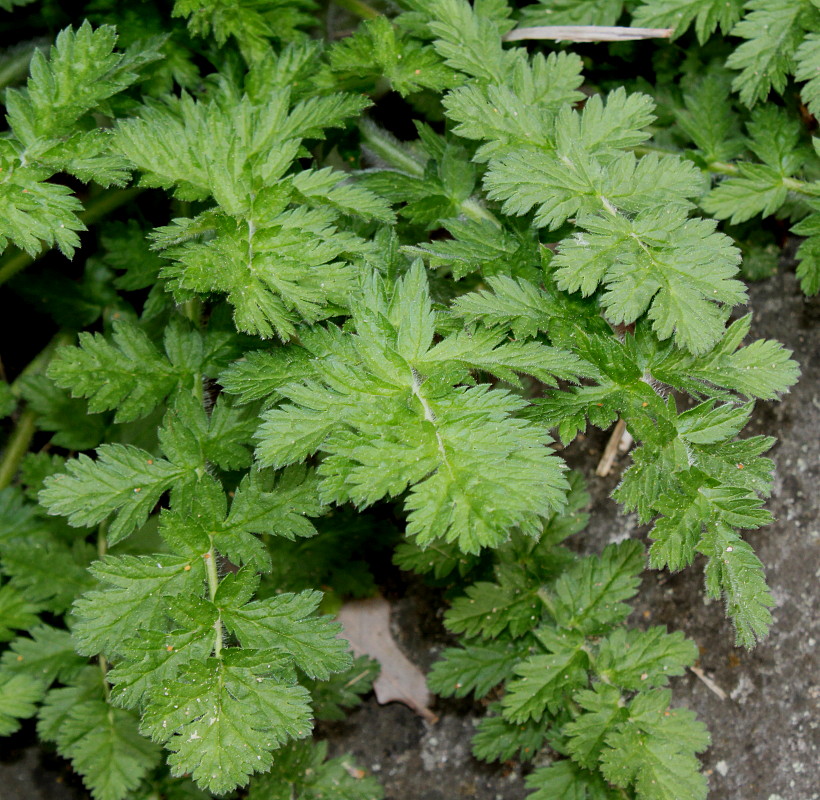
column 765, row 733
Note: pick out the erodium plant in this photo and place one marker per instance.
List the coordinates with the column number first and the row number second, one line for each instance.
column 307, row 318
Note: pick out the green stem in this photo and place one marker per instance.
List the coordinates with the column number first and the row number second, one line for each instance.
column 213, row 585
column 102, row 661
column 20, row 439
column 722, row 168
column 732, row 170
column 358, row 8
column 391, row 150
column 17, row 447
column 105, row 202
column 98, row 207
column 547, row 601
column 16, row 68
column 801, row 187
column 102, row 539
column 430, row 416
column 192, row 309
column 102, row 549
column 39, row 363
column 472, row 209
column 586, row 648
column 15, row 263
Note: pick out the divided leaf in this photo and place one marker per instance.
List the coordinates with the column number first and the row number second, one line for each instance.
column 19, row 695
column 130, row 375
column 50, row 134
column 635, row 659
column 386, row 409
column 707, row 15
column 104, row 746
column 285, row 624
column 303, row 767
column 134, row 597
column 588, row 596
column 124, row 480
column 497, row 739
column 773, row 31
column 475, row 668
column 544, row 679
column 47, row 655
column 220, row 719
column 654, row 749
column 566, row 779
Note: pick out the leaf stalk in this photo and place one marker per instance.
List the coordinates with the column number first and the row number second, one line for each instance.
column 17, row 447
column 213, row 585
column 20, row 439
column 358, row 8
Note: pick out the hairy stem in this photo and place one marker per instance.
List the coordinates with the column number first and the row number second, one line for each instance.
column 17, row 447
column 723, row 168
column 192, row 309
column 547, row 601
column 102, row 662
column 102, row 539
column 20, row 439
column 358, row 8
column 389, row 149
column 98, row 207
column 473, row 210
column 16, row 68
column 213, row 585
column 727, row 168
column 39, row 363
column 430, row 416
column 102, row 549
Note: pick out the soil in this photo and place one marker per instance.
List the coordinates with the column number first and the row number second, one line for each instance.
column 765, row 729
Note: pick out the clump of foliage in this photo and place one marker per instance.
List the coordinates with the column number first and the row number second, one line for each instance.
column 325, row 286
column 550, row 627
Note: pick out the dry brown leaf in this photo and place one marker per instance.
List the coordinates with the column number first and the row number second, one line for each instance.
column 366, row 626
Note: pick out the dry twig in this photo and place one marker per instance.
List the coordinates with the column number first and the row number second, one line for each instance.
column 618, row 443
column 586, row 33
column 709, row 683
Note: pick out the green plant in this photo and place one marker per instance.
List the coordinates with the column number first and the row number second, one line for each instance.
column 293, row 314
